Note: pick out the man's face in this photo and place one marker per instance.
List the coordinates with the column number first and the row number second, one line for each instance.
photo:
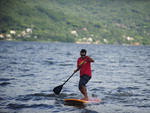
column 83, row 54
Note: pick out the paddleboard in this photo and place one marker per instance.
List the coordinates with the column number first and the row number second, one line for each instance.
column 80, row 101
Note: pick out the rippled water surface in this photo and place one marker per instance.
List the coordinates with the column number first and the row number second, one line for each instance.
column 30, row 70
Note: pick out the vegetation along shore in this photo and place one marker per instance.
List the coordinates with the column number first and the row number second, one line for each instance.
column 80, row 21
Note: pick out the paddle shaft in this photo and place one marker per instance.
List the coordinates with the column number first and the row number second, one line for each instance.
column 68, row 78
column 74, row 72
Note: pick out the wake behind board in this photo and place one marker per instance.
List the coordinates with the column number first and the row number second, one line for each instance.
column 80, row 101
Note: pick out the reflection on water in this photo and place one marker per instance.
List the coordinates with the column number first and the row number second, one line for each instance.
column 30, row 70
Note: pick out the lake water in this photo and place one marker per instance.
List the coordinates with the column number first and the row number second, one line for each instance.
column 30, row 70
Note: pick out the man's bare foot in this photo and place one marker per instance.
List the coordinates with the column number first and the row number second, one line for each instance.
column 85, row 98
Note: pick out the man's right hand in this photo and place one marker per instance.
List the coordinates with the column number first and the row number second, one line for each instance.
column 76, row 70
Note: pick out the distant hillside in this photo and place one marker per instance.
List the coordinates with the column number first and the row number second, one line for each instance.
column 80, row 21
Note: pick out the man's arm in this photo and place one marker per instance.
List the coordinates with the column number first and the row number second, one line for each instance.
column 90, row 59
column 79, row 65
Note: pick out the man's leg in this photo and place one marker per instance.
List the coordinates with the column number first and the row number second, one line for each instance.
column 83, row 90
column 82, row 85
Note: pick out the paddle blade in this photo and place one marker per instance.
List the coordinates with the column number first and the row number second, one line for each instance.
column 57, row 89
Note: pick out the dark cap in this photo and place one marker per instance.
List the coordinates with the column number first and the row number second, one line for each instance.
column 83, row 51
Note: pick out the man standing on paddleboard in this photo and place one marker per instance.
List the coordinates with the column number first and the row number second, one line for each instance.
column 84, row 65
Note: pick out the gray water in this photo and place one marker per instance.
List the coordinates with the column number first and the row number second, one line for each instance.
column 30, row 70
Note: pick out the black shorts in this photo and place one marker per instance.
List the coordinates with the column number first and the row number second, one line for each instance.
column 84, row 80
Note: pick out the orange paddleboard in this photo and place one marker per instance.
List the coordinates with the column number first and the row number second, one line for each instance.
column 80, row 101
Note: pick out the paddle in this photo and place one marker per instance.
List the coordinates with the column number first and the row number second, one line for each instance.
column 58, row 89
